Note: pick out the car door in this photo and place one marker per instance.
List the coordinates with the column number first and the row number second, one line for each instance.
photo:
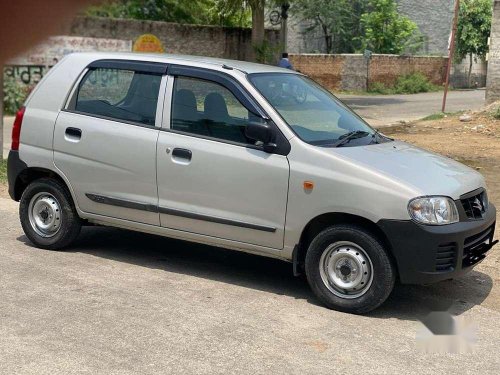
column 212, row 179
column 105, row 140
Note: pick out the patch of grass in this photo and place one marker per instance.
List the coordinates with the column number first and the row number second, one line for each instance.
column 408, row 84
column 352, row 92
column 441, row 115
column 380, row 88
column 434, row 116
column 496, row 114
column 3, row 171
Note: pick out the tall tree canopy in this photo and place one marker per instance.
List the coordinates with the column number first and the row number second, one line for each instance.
column 208, row 12
column 473, row 30
column 258, row 16
column 387, row 31
column 338, row 21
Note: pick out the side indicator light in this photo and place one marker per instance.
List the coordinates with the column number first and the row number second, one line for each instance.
column 308, row 185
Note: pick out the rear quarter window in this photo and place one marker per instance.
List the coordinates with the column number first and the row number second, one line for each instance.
column 119, row 94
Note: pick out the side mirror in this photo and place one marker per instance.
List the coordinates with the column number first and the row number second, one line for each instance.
column 259, row 131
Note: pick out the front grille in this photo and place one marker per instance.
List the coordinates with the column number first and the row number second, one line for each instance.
column 476, row 246
column 475, row 205
column 445, row 256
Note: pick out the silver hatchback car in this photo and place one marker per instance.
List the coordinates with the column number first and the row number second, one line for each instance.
column 247, row 157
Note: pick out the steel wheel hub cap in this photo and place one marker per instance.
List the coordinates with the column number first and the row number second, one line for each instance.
column 44, row 213
column 346, row 269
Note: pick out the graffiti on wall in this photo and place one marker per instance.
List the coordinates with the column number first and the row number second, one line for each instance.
column 29, row 68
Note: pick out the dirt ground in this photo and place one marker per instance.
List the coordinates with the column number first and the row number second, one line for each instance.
column 475, row 143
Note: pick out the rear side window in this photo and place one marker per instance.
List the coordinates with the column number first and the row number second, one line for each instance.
column 119, row 94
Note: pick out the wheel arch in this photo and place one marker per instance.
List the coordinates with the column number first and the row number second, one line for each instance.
column 323, row 221
column 30, row 174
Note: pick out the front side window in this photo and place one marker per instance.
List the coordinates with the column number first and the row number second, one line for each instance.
column 119, row 94
column 313, row 113
column 209, row 109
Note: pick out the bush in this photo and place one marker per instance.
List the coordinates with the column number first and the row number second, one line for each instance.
column 413, row 84
column 496, row 114
column 407, row 84
column 266, row 53
column 380, row 88
column 14, row 95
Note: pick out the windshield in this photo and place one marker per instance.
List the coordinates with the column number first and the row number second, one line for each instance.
column 313, row 113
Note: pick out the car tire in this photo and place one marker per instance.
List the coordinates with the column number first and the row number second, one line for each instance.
column 349, row 270
column 48, row 215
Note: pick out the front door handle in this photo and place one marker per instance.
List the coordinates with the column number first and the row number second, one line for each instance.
column 182, row 153
column 73, row 134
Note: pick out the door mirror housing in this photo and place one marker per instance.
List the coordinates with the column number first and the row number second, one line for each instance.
column 261, row 132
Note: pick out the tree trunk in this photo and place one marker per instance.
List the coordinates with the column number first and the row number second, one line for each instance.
column 328, row 39
column 469, row 83
column 257, row 22
column 326, row 35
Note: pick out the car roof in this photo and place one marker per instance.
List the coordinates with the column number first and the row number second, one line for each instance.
column 244, row 66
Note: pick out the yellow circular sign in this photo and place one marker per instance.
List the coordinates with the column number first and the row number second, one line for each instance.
column 148, row 43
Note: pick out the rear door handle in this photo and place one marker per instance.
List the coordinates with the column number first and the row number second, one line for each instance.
column 182, row 153
column 73, row 134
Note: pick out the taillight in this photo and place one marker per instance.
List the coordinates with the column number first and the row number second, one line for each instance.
column 16, row 129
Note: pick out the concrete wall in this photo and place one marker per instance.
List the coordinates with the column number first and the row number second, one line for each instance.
column 460, row 72
column 213, row 41
column 434, row 18
column 349, row 71
column 493, row 81
column 302, row 39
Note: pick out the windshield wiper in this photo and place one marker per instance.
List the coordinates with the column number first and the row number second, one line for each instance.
column 345, row 138
column 380, row 136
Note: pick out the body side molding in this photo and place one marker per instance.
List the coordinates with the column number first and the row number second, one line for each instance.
column 169, row 211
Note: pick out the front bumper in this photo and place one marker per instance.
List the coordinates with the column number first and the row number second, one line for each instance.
column 427, row 254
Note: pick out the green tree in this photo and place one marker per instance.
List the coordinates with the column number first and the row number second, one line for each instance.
column 208, row 12
column 473, row 30
column 338, row 20
column 257, row 8
column 387, row 31
column 238, row 15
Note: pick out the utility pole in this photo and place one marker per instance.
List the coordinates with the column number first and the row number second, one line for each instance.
column 284, row 25
column 450, row 54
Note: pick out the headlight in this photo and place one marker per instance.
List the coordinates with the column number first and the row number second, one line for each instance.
column 433, row 210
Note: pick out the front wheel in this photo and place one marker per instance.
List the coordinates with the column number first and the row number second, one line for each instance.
column 349, row 270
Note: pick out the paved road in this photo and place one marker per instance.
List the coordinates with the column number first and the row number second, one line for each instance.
column 380, row 110
column 129, row 303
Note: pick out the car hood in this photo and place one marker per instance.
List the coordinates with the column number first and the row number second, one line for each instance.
column 420, row 170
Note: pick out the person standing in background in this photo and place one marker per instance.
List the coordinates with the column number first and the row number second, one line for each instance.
column 284, row 62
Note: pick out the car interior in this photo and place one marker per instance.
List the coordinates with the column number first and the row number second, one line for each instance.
column 214, row 121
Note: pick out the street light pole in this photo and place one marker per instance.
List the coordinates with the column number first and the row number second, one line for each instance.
column 450, row 54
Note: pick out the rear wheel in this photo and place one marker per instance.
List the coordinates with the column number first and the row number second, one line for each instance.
column 48, row 216
column 349, row 270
